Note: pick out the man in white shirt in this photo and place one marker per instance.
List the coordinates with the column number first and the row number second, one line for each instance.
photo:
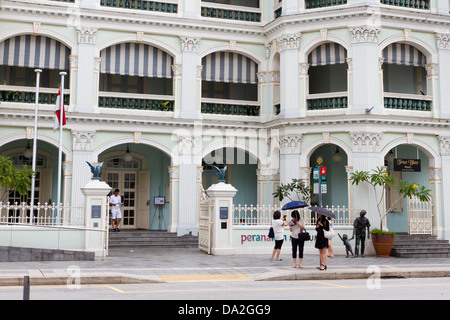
column 115, row 202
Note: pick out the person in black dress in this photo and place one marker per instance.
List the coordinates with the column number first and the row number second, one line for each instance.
column 321, row 241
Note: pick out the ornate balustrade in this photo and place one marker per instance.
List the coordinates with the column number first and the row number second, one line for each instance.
column 232, row 107
column 157, row 6
column 28, row 95
column 407, row 102
column 332, row 100
column 118, row 100
column 236, row 13
column 311, row 4
column 415, row 4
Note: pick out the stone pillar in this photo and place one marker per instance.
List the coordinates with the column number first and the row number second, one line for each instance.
column 288, row 46
column 433, row 87
column 190, row 98
column 435, row 178
column 87, row 84
column 445, row 154
column 268, row 180
column 83, row 144
column 366, row 83
column 188, row 196
column 96, row 216
column 174, row 173
column 191, row 9
column 289, row 159
column 221, row 195
column 366, row 156
column 290, row 7
column 443, row 46
column 303, row 87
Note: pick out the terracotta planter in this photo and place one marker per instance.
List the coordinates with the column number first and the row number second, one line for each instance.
column 382, row 243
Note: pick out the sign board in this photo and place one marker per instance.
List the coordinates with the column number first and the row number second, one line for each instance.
column 410, row 165
column 319, row 160
column 159, row 201
column 96, row 211
column 224, row 213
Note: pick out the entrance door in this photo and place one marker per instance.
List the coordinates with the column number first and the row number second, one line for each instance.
column 125, row 181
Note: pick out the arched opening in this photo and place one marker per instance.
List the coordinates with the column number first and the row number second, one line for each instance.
column 405, row 78
column 20, row 56
column 140, row 173
column 140, row 71
column 327, row 77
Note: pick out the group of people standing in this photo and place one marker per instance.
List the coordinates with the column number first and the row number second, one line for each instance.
column 296, row 226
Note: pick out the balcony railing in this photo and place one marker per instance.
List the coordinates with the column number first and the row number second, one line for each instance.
column 229, row 12
column 117, row 100
column 166, row 7
column 311, row 4
column 407, row 102
column 230, row 107
column 326, row 101
column 17, row 94
column 415, row 4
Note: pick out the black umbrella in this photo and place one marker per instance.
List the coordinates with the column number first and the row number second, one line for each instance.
column 322, row 211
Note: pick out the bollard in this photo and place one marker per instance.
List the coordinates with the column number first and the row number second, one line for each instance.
column 26, row 288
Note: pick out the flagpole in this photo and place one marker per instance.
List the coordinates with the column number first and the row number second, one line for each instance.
column 61, row 118
column 33, row 179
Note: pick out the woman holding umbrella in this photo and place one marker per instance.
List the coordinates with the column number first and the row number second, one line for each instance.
column 321, row 241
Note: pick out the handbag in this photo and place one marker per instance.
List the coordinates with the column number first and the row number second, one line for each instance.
column 329, row 234
column 303, row 235
column 271, row 234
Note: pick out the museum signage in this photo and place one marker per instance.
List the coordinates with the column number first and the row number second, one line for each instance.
column 411, row 165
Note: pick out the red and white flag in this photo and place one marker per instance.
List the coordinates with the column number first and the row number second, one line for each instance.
column 58, row 107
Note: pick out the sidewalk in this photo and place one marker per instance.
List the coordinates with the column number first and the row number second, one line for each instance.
column 148, row 265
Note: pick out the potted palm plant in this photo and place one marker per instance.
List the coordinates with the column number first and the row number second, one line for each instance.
column 380, row 179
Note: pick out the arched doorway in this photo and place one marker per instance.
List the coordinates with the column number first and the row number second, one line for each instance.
column 140, row 173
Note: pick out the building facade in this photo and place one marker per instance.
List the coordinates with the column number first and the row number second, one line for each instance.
column 159, row 91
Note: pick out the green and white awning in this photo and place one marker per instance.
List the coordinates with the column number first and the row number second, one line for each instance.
column 229, row 67
column 327, row 54
column 34, row 52
column 404, row 54
column 136, row 59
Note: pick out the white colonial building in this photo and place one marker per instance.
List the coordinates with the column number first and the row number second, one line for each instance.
column 158, row 91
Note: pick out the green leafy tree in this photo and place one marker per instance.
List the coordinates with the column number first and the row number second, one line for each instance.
column 380, row 178
column 294, row 191
column 13, row 179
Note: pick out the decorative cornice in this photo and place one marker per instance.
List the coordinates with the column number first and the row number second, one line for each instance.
column 444, row 144
column 365, row 34
column 443, row 41
column 83, row 140
column 289, row 41
column 86, row 35
column 290, row 144
column 189, row 44
column 365, row 141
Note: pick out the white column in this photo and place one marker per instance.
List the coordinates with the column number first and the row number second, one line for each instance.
column 188, row 188
column 190, row 99
column 440, row 6
column 83, row 142
column 86, row 82
column 289, row 158
column 366, row 83
column 445, row 176
column 366, row 156
column 268, row 180
column 89, row 4
column 288, row 46
column 443, row 45
column 435, row 178
column 174, row 174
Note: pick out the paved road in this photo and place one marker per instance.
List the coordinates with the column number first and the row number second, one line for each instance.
column 230, row 292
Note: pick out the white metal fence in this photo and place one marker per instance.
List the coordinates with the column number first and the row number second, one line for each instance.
column 420, row 217
column 251, row 215
column 43, row 214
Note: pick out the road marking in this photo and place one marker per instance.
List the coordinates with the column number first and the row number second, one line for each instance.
column 330, row 284
column 197, row 277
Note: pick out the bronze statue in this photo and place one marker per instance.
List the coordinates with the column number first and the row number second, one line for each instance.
column 359, row 229
column 95, row 170
column 348, row 246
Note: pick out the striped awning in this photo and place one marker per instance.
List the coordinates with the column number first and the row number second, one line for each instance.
column 34, row 52
column 404, row 54
column 326, row 54
column 229, row 67
column 136, row 59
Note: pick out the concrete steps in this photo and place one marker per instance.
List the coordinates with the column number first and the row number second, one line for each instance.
column 420, row 246
column 152, row 239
